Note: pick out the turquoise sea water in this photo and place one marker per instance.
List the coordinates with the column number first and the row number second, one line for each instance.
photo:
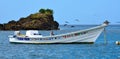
column 98, row 50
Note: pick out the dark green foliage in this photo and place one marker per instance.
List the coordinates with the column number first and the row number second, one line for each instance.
column 42, row 10
column 46, row 11
column 49, row 11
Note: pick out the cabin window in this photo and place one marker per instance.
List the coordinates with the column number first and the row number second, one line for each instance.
column 76, row 34
column 59, row 37
column 82, row 33
column 68, row 36
column 49, row 38
column 20, row 38
column 45, row 39
column 34, row 39
column 55, row 37
column 40, row 38
column 71, row 35
column 63, row 36
column 26, row 38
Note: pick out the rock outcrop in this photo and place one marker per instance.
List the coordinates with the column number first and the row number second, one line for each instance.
column 43, row 20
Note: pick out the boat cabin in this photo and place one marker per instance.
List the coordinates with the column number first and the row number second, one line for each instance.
column 17, row 33
column 29, row 33
column 33, row 33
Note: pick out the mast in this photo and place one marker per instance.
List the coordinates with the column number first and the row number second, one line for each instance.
column 105, row 39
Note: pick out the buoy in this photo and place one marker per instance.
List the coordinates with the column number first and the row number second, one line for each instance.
column 118, row 42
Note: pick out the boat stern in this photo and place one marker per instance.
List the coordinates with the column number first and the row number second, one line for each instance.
column 11, row 38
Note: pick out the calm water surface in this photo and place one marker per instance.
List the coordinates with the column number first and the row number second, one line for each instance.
column 98, row 50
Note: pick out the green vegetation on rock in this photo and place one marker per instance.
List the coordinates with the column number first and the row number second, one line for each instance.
column 46, row 11
column 42, row 20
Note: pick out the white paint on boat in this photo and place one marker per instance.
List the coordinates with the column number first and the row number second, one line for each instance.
column 87, row 35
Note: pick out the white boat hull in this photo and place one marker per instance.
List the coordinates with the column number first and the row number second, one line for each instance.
column 82, row 36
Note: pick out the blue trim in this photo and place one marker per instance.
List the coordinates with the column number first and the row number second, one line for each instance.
column 23, row 38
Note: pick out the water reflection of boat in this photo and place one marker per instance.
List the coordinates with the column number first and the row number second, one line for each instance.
column 82, row 36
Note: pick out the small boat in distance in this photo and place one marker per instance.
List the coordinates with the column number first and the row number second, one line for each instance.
column 82, row 36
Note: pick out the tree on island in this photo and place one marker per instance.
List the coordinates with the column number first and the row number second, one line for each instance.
column 46, row 11
column 42, row 11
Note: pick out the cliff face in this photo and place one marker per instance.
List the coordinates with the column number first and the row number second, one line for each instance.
column 38, row 21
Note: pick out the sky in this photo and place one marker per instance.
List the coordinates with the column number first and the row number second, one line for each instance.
column 84, row 11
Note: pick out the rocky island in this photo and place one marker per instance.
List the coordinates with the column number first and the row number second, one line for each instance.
column 42, row 20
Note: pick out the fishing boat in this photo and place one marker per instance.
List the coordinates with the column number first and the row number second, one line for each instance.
column 81, row 36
